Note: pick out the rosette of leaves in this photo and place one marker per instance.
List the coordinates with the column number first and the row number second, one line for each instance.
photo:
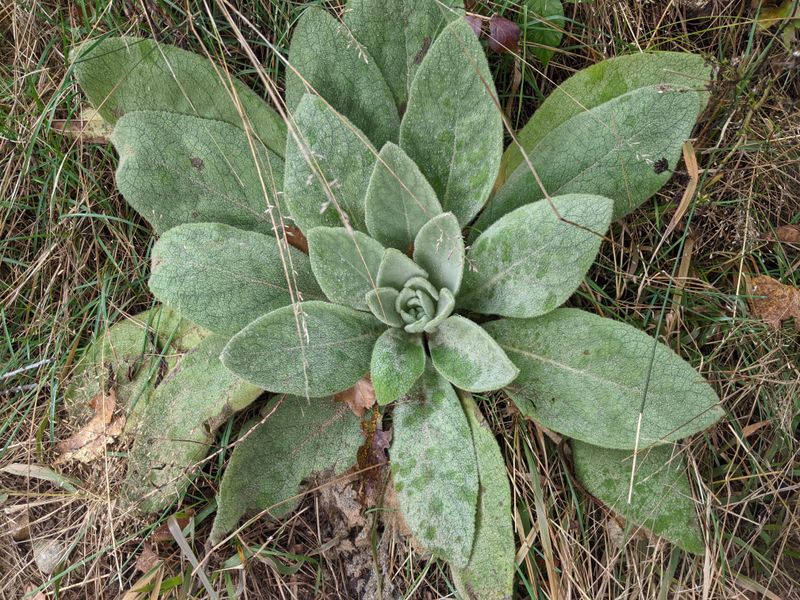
column 395, row 151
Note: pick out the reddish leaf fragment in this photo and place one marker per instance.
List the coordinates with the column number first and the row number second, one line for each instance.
column 296, row 238
column 162, row 532
column 476, row 23
column 503, row 35
column 360, row 397
column 774, row 302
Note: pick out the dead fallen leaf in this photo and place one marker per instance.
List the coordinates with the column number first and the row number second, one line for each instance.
column 19, row 523
column 773, row 302
column 48, row 554
column 789, row 234
column 163, row 534
column 147, row 559
column 296, row 238
column 90, row 441
column 476, row 23
column 372, row 456
column 753, row 428
column 503, row 35
column 360, row 397
column 90, row 127
column 29, row 593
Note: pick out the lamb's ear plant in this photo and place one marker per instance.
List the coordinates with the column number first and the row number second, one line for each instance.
column 394, row 154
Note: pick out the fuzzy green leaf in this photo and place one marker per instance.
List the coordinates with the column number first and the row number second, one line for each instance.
column 585, row 376
column 489, row 575
column 312, row 349
column 453, row 129
column 381, row 302
column 399, row 199
column 324, row 53
column 610, row 147
column 662, row 499
column 178, row 424
column 468, row 357
column 396, row 269
column 176, row 169
column 398, row 33
column 328, row 173
column 439, row 249
column 530, row 261
column 299, row 438
column 609, row 79
column 121, row 75
column 223, row 278
column 345, row 264
column 398, row 359
column 131, row 356
column 435, row 470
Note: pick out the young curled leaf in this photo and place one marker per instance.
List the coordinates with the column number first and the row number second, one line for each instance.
column 439, row 249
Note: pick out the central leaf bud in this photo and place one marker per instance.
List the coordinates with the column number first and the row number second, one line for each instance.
column 405, row 296
column 421, row 306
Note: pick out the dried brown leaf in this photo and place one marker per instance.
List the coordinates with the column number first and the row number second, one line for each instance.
column 19, row 523
column 476, row 23
column 372, row 456
column 503, row 35
column 163, row 534
column 90, row 441
column 296, row 238
column 360, row 397
column 789, row 234
column 48, row 554
column 147, row 559
column 774, row 302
